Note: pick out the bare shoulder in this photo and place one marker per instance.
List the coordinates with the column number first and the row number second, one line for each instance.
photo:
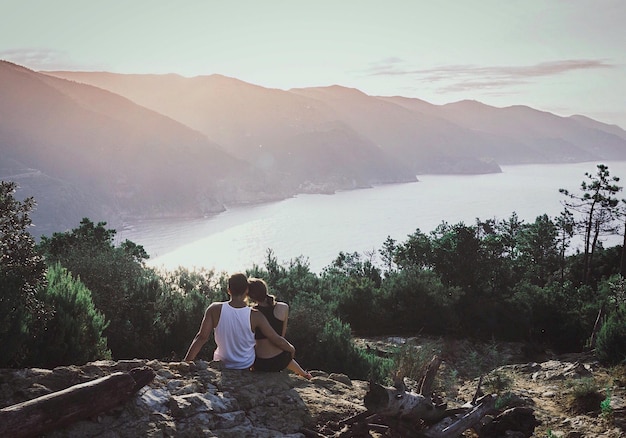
column 256, row 318
column 214, row 309
column 281, row 311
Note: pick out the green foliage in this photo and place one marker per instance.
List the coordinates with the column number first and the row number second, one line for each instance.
column 74, row 334
column 606, row 410
column 611, row 341
column 497, row 279
column 180, row 307
column 478, row 359
column 504, row 400
column 598, row 209
column 121, row 286
column 497, row 381
column 414, row 300
column 286, row 282
column 339, row 353
column 415, row 252
column 585, row 396
column 22, row 272
column 411, row 360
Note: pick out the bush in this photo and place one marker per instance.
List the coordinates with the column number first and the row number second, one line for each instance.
column 339, row 353
column 585, row 397
column 611, row 341
column 74, row 334
column 22, row 273
column 177, row 319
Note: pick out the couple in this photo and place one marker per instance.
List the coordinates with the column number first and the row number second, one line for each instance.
column 248, row 338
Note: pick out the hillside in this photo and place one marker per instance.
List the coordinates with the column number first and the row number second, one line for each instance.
column 463, row 137
column 112, row 146
column 278, row 132
column 83, row 151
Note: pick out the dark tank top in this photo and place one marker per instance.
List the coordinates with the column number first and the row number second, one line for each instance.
column 276, row 323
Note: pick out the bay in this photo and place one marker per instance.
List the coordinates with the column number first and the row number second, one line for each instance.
column 318, row 227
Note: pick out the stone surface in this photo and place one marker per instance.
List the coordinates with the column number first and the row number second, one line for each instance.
column 201, row 399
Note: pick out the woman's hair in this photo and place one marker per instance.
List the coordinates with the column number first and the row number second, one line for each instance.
column 257, row 291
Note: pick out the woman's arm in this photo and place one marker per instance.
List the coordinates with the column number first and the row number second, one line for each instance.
column 259, row 321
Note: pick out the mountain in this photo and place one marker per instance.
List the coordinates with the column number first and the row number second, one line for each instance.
column 548, row 138
column 301, row 140
column 264, row 125
column 594, row 124
column 111, row 146
column 85, row 152
column 427, row 143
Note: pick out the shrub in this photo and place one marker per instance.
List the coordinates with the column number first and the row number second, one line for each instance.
column 339, row 353
column 611, row 341
column 498, row 381
column 74, row 333
column 323, row 342
column 22, row 273
column 585, row 397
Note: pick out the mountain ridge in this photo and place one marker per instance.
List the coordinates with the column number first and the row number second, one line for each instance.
column 115, row 146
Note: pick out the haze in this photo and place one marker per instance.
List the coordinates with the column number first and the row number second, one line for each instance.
column 565, row 57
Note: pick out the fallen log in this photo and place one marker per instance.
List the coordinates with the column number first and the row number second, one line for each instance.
column 409, row 414
column 397, row 402
column 59, row 409
column 453, row 427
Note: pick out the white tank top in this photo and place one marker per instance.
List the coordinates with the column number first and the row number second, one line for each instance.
column 234, row 338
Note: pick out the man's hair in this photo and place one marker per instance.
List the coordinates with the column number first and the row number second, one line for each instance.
column 238, row 284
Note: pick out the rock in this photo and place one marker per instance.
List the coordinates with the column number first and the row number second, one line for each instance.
column 341, row 378
column 186, row 400
column 201, row 399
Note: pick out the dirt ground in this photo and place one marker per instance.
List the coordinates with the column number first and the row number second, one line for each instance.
column 567, row 394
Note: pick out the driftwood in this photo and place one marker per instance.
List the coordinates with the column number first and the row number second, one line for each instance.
column 400, row 412
column 58, row 409
column 453, row 427
column 397, row 402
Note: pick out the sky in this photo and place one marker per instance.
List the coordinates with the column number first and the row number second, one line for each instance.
column 562, row 56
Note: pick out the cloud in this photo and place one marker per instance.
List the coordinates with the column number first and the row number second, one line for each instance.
column 454, row 78
column 40, row 59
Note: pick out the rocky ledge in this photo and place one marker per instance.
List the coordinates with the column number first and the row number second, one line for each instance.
column 201, row 399
column 198, row 399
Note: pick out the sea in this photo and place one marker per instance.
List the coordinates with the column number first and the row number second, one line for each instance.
column 317, row 227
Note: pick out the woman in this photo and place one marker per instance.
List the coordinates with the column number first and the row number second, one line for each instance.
column 268, row 356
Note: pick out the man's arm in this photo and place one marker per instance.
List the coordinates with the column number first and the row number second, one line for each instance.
column 207, row 325
column 259, row 321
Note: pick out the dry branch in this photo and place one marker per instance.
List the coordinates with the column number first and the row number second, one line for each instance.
column 426, row 387
column 454, row 427
column 397, row 402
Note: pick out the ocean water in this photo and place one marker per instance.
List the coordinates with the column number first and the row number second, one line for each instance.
column 318, row 227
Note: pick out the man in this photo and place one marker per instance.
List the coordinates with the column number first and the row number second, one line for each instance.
column 234, row 323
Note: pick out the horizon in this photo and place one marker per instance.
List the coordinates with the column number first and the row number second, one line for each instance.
column 566, row 58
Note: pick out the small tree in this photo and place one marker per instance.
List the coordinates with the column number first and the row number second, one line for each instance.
column 598, row 207
column 565, row 230
column 22, row 271
column 388, row 253
column 74, row 334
